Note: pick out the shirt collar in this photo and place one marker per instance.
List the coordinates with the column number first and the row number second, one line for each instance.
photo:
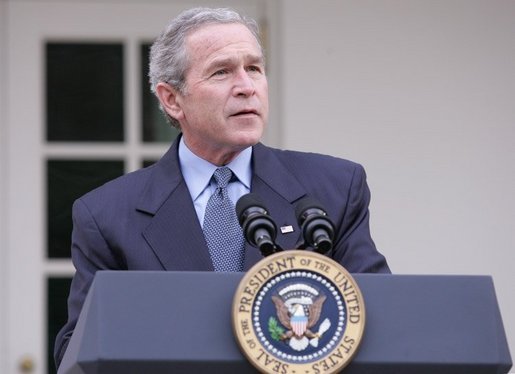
column 197, row 172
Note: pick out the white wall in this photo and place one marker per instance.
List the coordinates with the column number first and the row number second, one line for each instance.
column 3, row 171
column 422, row 93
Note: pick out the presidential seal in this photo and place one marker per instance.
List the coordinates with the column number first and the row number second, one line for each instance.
column 298, row 312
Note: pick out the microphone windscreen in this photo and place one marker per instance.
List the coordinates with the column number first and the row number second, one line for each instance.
column 247, row 201
column 306, row 203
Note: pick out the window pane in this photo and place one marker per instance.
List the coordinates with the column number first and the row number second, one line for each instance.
column 155, row 127
column 84, row 87
column 66, row 181
column 57, row 313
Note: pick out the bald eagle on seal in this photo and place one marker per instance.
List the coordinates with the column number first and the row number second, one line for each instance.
column 297, row 323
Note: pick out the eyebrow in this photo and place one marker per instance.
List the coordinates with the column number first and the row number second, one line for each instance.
column 249, row 58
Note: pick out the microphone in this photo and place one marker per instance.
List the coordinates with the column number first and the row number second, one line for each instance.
column 258, row 227
column 317, row 228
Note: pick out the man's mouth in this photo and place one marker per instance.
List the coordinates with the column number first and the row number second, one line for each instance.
column 245, row 112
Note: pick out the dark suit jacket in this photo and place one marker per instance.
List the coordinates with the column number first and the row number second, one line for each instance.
column 146, row 220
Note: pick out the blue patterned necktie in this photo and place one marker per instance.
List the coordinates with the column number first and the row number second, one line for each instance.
column 222, row 231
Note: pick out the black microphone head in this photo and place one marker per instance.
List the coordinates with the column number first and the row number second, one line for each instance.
column 247, row 201
column 317, row 228
column 304, row 205
column 258, row 227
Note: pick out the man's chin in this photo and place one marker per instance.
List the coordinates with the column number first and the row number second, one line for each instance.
column 248, row 135
column 249, row 140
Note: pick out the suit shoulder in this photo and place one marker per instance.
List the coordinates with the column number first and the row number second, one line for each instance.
column 120, row 188
column 311, row 162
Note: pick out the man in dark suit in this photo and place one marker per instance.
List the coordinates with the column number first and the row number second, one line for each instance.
column 207, row 70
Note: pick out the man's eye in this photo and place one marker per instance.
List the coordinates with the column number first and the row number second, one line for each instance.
column 254, row 68
column 220, row 72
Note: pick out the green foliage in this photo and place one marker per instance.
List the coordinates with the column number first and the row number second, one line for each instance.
column 275, row 330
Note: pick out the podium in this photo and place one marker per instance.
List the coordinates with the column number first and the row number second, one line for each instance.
column 180, row 322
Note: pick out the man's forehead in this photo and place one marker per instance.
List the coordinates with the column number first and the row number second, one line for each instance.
column 220, row 34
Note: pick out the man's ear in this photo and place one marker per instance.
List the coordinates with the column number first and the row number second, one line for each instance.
column 169, row 98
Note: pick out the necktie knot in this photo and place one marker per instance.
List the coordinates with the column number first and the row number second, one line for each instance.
column 222, row 176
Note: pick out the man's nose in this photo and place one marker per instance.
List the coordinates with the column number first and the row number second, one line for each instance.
column 243, row 84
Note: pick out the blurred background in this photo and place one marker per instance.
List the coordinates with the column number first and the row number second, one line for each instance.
column 422, row 93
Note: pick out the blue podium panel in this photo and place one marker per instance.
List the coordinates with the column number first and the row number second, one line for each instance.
column 180, row 322
column 157, row 322
column 431, row 324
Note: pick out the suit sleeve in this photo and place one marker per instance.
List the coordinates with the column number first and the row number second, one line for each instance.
column 354, row 247
column 90, row 252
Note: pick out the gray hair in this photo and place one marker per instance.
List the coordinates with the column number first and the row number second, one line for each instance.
column 168, row 55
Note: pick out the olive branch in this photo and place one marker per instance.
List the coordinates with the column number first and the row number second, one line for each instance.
column 274, row 329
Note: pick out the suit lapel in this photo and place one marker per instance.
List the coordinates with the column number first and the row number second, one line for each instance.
column 178, row 243
column 167, row 198
column 279, row 189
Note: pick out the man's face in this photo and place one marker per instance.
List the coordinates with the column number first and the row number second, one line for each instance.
column 225, row 104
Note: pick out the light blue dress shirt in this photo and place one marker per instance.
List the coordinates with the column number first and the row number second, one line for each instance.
column 197, row 174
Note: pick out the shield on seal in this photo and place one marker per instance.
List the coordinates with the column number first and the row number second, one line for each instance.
column 299, row 320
